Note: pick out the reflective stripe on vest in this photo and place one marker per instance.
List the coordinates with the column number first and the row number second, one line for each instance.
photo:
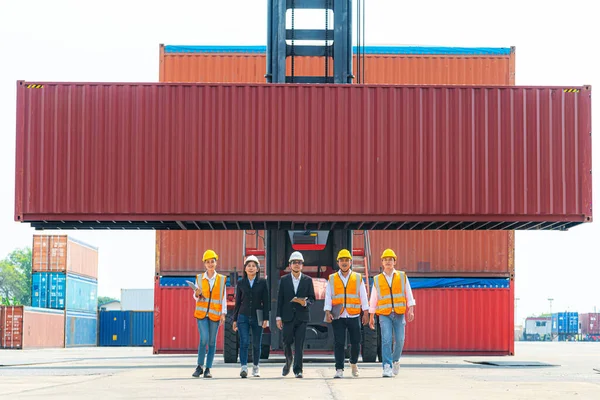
column 347, row 296
column 391, row 299
column 214, row 305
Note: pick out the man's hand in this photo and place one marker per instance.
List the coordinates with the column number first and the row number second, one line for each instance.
column 328, row 316
column 365, row 318
column 265, row 324
column 198, row 292
column 280, row 324
column 411, row 314
column 300, row 301
column 234, row 326
column 372, row 321
column 223, row 316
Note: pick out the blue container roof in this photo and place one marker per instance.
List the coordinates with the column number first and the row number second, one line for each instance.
column 407, row 50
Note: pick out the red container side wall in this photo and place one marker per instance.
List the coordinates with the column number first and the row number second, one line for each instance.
column 481, row 168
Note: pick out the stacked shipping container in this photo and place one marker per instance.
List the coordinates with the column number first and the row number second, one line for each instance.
column 487, row 327
column 590, row 326
column 125, row 328
column 30, row 327
column 565, row 326
column 65, row 277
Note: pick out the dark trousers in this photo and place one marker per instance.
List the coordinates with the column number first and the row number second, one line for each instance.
column 340, row 326
column 245, row 325
column 294, row 331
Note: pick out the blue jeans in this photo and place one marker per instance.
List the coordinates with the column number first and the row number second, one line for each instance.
column 208, row 337
column 388, row 323
column 245, row 323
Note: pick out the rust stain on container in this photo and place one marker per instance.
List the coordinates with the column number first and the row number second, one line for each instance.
column 493, row 155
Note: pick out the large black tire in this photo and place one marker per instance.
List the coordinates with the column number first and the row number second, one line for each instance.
column 230, row 342
column 265, row 351
column 369, row 344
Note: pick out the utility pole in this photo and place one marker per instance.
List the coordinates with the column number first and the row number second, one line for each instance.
column 550, row 300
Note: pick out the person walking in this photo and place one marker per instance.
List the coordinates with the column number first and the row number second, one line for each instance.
column 211, row 308
column 345, row 296
column 295, row 295
column 251, row 313
column 393, row 302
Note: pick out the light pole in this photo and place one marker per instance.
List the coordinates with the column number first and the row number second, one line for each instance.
column 550, row 300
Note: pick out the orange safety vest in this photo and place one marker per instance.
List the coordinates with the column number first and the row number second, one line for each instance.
column 212, row 300
column 390, row 298
column 348, row 296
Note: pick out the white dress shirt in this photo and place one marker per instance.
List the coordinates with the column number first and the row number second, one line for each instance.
column 375, row 297
column 329, row 294
column 211, row 283
column 296, row 282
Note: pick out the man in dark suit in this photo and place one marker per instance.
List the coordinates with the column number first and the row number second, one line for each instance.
column 296, row 294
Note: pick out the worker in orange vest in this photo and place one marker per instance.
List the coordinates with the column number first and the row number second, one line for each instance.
column 345, row 297
column 211, row 308
column 393, row 302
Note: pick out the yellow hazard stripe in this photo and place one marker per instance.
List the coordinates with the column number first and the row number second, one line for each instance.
column 571, row 90
column 34, row 86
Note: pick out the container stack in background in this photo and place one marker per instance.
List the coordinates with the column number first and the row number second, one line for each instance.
column 133, row 324
column 565, row 326
column 179, row 258
column 463, row 281
column 65, row 277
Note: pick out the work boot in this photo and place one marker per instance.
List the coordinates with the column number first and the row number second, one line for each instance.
column 354, row 370
column 255, row 371
column 207, row 373
column 387, row 371
column 199, row 370
column 396, row 368
column 244, row 371
column 339, row 373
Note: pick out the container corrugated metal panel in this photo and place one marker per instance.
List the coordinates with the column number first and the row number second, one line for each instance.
column 29, row 327
column 180, row 253
column 469, row 321
column 114, row 328
column 590, row 323
column 457, row 253
column 81, row 329
column 58, row 290
column 60, row 253
column 565, row 323
column 142, row 328
column 175, row 328
column 43, row 328
column 401, row 65
column 514, row 155
column 137, row 299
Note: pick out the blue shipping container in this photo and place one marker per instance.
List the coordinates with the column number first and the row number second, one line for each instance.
column 57, row 289
column 126, row 328
column 81, row 329
column 565, row 323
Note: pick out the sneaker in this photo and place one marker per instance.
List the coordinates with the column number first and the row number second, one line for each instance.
column 387, row 371
column 244, row 372
column 299, row 375
column 339, row 373
column 354, row 370
column 199, row 370
column 396, row 368
column 207, row 373
column 255, row 371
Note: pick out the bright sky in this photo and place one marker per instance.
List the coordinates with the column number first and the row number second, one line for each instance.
column 112, row 40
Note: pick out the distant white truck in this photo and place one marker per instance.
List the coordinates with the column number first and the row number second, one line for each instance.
column 538, row 329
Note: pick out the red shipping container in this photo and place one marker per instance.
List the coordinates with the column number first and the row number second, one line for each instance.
column 450, row 254
column 462, row 321
column 28, row 327
column 464, row 157
column 179, row 253
column 590, row 323
column 175, row 328
column 60, row 253
column 448, row 66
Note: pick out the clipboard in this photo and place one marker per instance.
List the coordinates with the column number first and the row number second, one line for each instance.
column 191, row 284
column 259, row 316
column 335, row 312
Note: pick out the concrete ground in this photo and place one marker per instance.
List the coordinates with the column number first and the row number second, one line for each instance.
column 134, row 373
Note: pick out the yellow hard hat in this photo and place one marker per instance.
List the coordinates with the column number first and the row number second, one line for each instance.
column 344, row 254
column 208, row 254
column 389, row 253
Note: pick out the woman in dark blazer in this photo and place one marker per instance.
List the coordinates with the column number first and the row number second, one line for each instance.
column 252, row 304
